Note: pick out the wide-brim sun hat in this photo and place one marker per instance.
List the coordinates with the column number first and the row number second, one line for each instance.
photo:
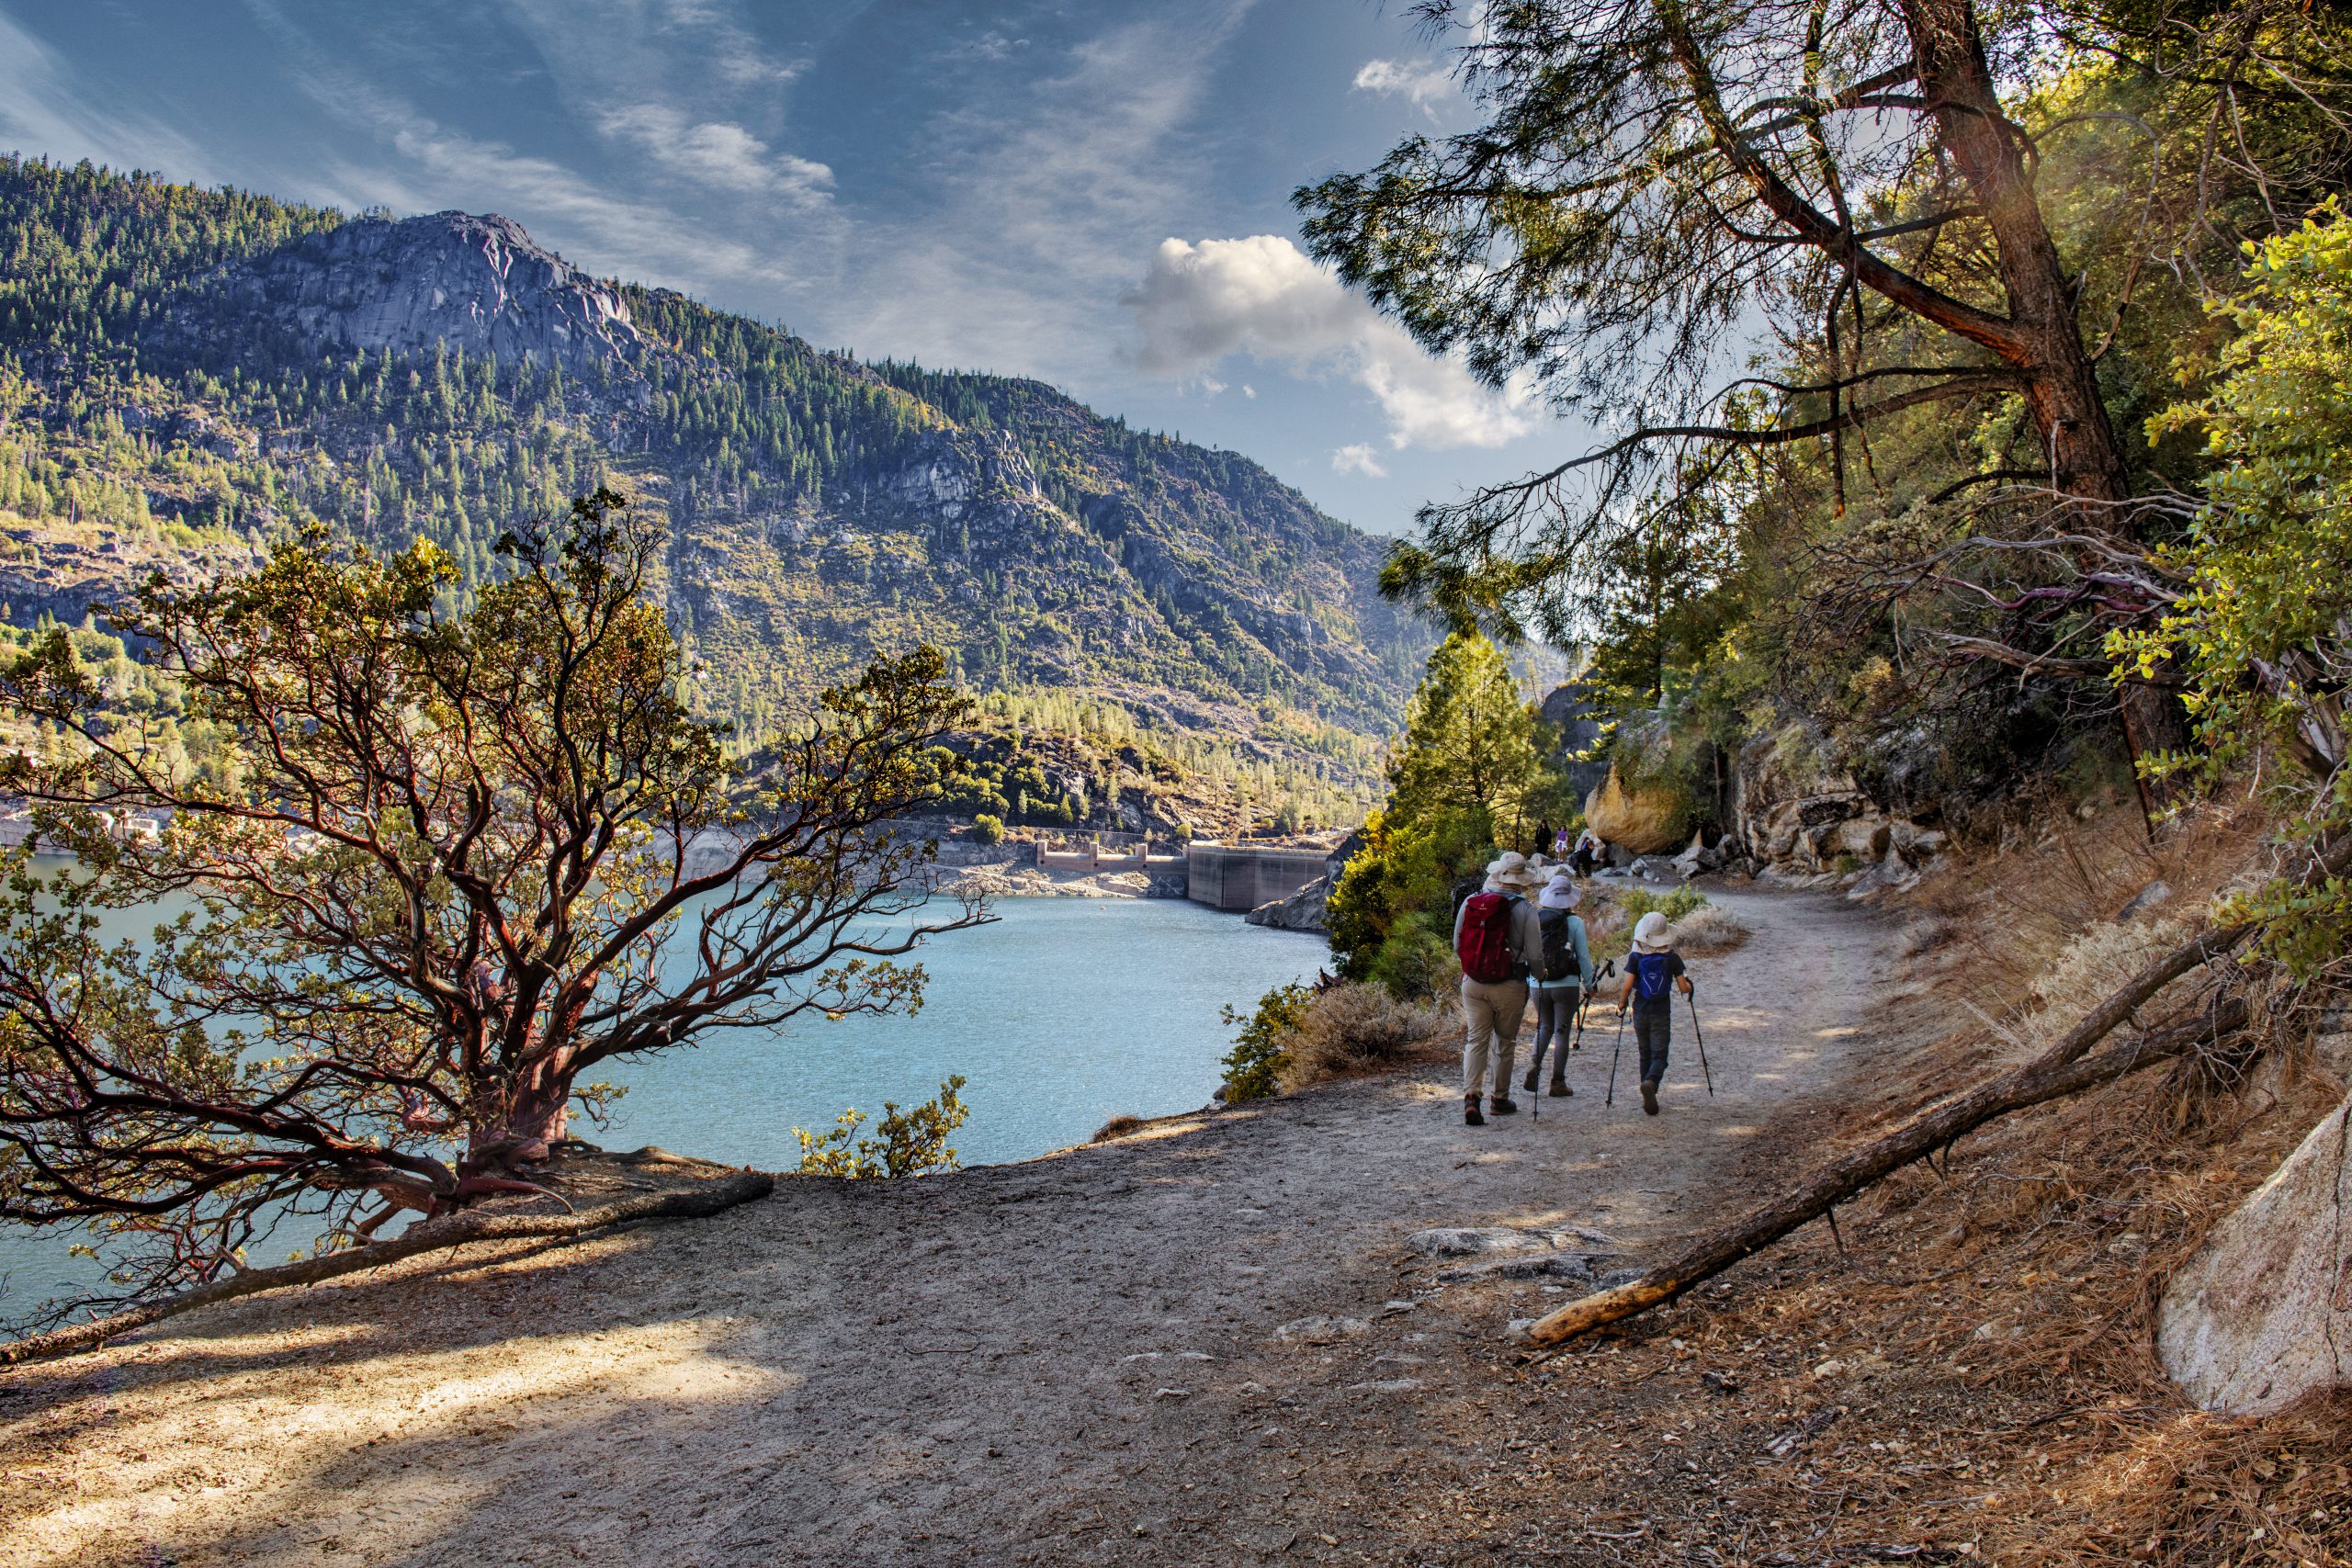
column 1649, row 933
column 1562, row 892
column 1508, row 869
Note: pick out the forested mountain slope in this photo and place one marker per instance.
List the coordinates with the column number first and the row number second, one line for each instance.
column 187, row 373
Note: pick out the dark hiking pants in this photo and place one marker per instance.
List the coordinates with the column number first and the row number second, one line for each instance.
column 1556, row 1023
column 1653, row 1027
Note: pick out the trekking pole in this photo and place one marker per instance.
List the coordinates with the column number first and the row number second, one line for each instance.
column 1535, row 1097
column 1610, row 1098
column 1700, row 1034
column 1607, row 968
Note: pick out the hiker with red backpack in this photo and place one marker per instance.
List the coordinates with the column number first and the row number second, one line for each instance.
column 1653, row 971
column 1500, row 940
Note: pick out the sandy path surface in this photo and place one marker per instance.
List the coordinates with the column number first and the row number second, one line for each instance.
column 1082, row 1359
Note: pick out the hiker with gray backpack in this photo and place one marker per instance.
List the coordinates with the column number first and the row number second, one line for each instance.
column 1500, row 941
column 1561, row 980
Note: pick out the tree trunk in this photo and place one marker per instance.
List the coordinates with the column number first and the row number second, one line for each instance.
column 2061, row 394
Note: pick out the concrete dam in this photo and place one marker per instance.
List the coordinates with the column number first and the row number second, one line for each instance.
column 1239, row 877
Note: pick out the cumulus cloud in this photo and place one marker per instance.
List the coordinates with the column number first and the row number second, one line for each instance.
column 1198, row 303
column 1358, row 458
column 714, row 153
column 1422, row 85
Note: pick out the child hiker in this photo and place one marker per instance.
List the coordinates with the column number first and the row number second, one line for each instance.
column 1653, row 970
column 1498, row 940
column 1567, row 961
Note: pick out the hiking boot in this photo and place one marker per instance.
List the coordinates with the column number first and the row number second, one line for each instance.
column 1504, row 1107
column 1529, row 1082
column 1649, row 1096
column 1560, row 1089
column 1470, row 1117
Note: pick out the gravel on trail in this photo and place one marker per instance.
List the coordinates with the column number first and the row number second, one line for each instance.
column 1160, row 1350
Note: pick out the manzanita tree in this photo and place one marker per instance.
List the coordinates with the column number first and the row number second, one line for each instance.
column 460, row 862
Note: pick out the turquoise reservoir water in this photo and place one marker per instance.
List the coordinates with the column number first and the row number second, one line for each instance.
column 1064, row 1013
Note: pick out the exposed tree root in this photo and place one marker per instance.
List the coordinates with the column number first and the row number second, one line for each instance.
column 455, row 1230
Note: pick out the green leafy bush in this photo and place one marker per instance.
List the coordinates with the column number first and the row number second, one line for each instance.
column 988, row 828
column 1635, row 902
column 2259, row 629
column 913, row 1143
column 1253, row 1067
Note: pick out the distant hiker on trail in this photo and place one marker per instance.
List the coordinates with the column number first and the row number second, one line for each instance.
column 1653, row 969
column 1556, row 846
column 1561, row 980
column 1498, row 939
column 1587, row 853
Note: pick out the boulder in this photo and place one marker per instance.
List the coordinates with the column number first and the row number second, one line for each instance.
column 1302, row 911
column 2262, row 1315
column 1647, row 821
column 1864, row 838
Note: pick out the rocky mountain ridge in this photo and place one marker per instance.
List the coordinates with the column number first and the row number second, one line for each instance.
column 405, row 286
column 186, row 374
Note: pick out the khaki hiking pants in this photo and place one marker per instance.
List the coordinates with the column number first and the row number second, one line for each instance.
column 1490, row 1015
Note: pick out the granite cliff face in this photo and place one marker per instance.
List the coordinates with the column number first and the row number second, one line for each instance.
column 405, row 286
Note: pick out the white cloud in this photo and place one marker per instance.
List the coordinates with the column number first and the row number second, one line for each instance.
column 1358, row 458
column 1212, row 385
column 1198, row 303
column 1249, row 391
column 1422, row 85
column 714, row 152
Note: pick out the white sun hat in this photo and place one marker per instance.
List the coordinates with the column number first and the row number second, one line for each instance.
column 1562, row 892
column 1507, row 871
column 1649, row 933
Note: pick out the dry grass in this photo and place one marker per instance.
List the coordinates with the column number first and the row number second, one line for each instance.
column 2009, row 915
column 1354, row 1027
column 1709, row 932
column 1118, row 1127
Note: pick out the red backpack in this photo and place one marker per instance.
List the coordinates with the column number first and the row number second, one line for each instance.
column 1484, row 945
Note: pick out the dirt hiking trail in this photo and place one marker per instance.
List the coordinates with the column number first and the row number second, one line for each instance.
column 1207, row 1343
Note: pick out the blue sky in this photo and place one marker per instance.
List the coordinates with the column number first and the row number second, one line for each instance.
column 1095, row 193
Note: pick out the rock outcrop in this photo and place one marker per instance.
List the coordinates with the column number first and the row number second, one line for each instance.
column 2262, row 1315
column 478, row 284
column 1803, row 824
column 1643, row 820
column 1302, row 911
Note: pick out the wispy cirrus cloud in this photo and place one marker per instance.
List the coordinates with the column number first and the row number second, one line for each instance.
column 45, row 108
column 717, row 154
column 1357, row 457
column 1423, row 85
column 1198, row 303
column 433, row 166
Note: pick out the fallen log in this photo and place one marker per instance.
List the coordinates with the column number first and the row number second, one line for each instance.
column 2038, row 1082
column 454, row 1230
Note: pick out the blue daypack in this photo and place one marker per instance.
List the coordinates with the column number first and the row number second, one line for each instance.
column 1653, row 975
